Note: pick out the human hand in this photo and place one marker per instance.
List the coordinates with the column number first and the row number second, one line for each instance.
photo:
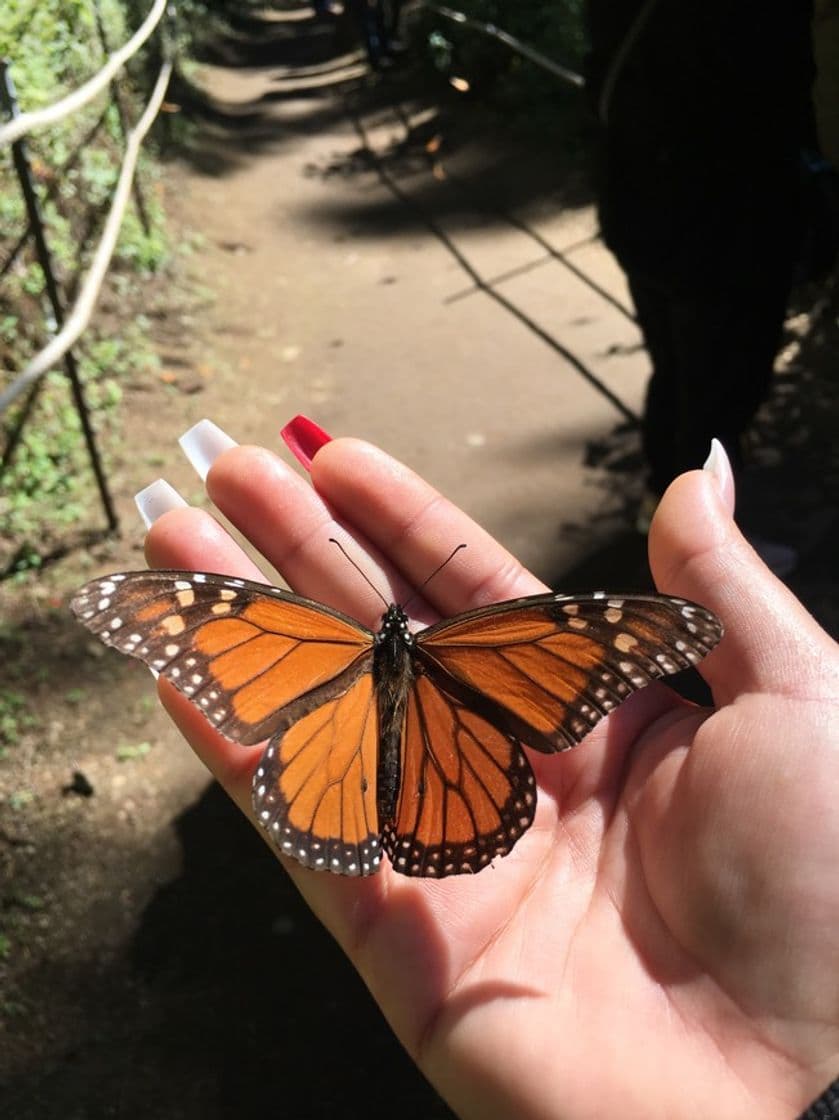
column 662, row 940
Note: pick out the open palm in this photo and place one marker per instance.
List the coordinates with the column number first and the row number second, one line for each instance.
column 663, row 941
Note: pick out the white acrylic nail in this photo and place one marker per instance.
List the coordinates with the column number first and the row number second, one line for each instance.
column 203, row 443
column 718, row 465
column 156, row 499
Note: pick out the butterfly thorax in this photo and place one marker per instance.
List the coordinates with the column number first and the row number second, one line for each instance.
column 393, row 672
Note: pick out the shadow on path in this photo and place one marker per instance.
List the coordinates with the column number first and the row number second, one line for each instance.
column 258, row 1001
column 231, row 1001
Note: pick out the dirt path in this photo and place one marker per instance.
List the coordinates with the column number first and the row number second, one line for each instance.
column 158, row 965
column 335, row 298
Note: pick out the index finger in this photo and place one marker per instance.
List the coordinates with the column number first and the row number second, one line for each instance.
column 398, row 530
column 416, row 528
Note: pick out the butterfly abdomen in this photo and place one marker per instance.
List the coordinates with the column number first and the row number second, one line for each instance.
column 393, row 675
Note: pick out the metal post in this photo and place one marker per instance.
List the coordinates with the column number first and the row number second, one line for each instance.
column 21, row 161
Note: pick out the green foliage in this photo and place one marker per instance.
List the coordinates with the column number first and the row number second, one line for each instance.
column 54, row 46
column 145, row 252
column 97, row 175
column 495, row 71
column 14, row 717
column 128, row 752
column 47, row 473
column 11, row 1008
column 49, row 479
column 12, row 210
column 49, row 44
column 30, row 903
column 20, row 799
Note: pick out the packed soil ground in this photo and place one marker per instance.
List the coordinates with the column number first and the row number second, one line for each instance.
column 394, row 263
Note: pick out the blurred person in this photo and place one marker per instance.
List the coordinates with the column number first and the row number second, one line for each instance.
column 705, row 108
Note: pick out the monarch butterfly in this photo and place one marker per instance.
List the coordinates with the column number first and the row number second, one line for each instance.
column 394, row 743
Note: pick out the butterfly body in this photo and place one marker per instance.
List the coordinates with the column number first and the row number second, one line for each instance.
column 394, row 743
column 393, row 674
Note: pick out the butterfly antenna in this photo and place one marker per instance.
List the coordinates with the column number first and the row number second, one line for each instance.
column 363, row 575
column 428, row 580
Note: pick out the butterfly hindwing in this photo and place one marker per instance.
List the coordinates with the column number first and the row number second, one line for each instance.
column 241, row 651
column 314, row 790
column 554, row 665
column 467, row 791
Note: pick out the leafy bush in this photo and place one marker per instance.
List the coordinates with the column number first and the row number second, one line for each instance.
column 54, row 46
column 554, row 29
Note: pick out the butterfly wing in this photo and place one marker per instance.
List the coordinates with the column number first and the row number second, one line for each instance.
column 240, row 651
column 466, row 794
column 263, row 663
column 314, row 790
column 547, row 668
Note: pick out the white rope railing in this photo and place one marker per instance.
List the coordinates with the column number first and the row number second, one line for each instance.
column 79, row 317
column 38, row 118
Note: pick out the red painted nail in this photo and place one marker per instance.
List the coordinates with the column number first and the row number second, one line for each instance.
column 304, row 438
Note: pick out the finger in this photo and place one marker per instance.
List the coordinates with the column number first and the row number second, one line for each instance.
column 291, row 525
column 771, row 642
column 416, row 527
column 191, row 539
column 293, row 528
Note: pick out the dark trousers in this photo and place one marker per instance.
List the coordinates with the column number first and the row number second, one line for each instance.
column 712, row 354
column 377, row 21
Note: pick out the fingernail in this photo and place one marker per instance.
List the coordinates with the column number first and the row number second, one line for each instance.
column 304, row 438
column 156, row 499
column 203, row 444
column 718, row 466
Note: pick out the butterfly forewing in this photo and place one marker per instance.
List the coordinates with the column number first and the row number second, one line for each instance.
column 241, row 651
column 467, row 792
column 553, row 665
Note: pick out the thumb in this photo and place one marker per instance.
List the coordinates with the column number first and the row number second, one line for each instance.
column 771, row 643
